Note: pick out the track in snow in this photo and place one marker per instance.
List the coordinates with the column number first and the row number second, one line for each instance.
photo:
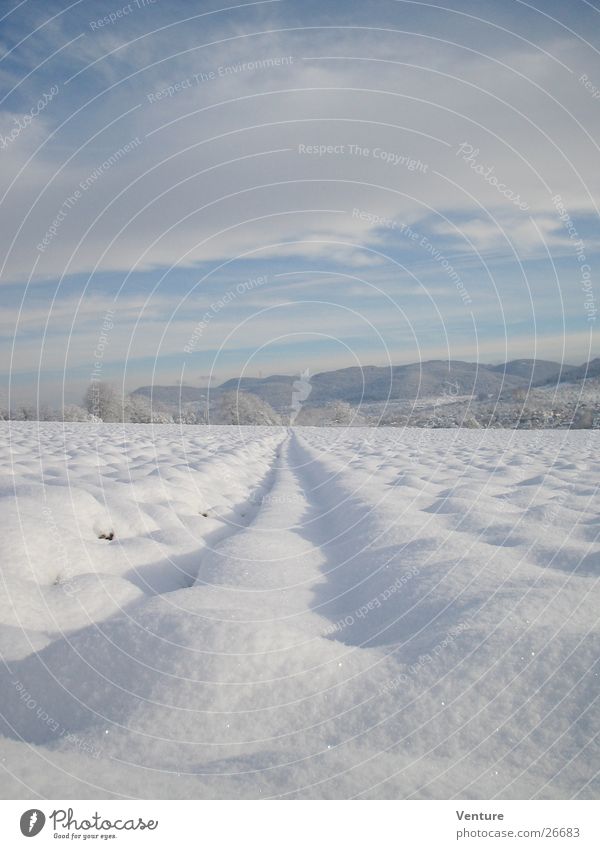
column 360, row 613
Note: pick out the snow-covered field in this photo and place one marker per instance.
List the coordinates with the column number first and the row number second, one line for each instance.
column 307, row 613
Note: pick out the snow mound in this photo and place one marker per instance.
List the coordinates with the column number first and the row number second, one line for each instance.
column 209, row 612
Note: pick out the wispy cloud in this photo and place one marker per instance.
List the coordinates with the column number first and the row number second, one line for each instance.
column 185, row 146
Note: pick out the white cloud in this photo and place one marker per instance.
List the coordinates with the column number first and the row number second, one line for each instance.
column 218, row 174
column 182, row 199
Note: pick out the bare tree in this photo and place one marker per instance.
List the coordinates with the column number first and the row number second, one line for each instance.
column 102, row 401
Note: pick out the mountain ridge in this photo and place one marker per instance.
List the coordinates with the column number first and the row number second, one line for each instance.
column 356, row 385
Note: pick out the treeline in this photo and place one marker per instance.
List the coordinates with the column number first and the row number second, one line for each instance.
column 103, row 403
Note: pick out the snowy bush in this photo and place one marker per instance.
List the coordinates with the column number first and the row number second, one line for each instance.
column 242, row 408
column 191, row 416
column 102, row 401
column 74, row 413
column 137, row 410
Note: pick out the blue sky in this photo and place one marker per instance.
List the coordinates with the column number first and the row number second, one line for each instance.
column 388, row 173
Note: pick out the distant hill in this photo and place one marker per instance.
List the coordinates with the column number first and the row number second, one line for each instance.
column 354, row 385
column 533, row 371
column 276, row 390
column 571, row 374
column 172, row 395
column 435, row 377
column 415, row 380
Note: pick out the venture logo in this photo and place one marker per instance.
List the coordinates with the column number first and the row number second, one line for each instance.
column 32, row 822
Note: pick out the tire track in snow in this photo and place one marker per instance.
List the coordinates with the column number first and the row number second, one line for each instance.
column 181, row 571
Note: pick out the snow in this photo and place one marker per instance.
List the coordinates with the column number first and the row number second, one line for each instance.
column 298, row 613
